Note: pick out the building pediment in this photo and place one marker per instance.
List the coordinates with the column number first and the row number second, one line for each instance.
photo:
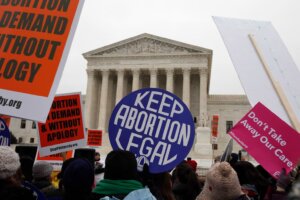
column 146, row 44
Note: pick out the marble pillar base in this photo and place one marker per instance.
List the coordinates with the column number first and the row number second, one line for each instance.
column 203, row 146
column 203, row 135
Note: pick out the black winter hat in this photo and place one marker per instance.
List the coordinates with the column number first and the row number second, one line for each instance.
column 120, row 165
column 78, row 177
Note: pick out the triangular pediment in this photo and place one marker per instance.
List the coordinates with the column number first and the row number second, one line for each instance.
column 146, row 44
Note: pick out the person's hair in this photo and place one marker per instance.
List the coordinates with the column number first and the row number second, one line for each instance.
column 120, row 165
column 160, row 184
column 266, row 175
column 234, row 158
column 248, row 174
column 163, row 183
column 189, row 158
column 185, row 182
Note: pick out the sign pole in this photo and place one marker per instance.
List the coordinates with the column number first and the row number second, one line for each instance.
column 279, row 91
column 213, row 155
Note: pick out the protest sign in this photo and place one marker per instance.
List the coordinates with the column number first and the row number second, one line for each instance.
column 214, row 129
column 268, row 139
column 155, row 125
column 270, row 75
column 6, row 119
column 94, row 138
column 64, row 129
column 227, row 153
column 56, row 160
column 34, row 43
column 4, row 134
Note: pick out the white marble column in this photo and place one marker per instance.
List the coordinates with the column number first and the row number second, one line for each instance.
column 153, row 78
column 170, row 80
column 120, row 85
column 135, row 79
column 91, row 99
column 103, row 100
column 203, row 98
column 186, row 86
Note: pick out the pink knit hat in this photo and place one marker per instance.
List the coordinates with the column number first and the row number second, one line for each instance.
column 221, row 183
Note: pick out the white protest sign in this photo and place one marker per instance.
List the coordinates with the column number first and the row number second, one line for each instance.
column 254, row 78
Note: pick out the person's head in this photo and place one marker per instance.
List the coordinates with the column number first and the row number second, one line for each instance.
column 78, row 178
column 266, row 175
column 120, row 165
column 248, row 174
column 221, row 183
column 11, row 176
column 217, row 159
column 192, row 163
column 97, row 156
column 234, row 158
column 160, row 185
column 60, row 175
column 185, row 182
column 42, row 170
column 9, row 164
column 64, row 166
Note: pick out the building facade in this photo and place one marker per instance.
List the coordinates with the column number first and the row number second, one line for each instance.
column 151, row 61
column 144, row 61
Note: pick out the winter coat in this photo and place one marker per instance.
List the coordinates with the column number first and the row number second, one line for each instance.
column 14, row 193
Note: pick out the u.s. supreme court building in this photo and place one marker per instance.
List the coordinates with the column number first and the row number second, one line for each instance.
column 144, row 61
column 150, row 61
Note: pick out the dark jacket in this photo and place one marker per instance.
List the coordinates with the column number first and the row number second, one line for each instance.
column 47, row 188
column 16, row 193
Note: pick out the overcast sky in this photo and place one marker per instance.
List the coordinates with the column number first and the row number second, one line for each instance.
column 104, row 22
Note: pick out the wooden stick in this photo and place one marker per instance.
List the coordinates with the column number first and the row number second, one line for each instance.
column 279, row 91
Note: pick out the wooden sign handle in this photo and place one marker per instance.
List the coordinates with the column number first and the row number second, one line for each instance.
column 279, row 91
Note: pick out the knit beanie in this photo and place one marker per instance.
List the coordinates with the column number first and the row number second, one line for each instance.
column 221, row 183
column 9, row 162
column 78, row 177
column 41, row 169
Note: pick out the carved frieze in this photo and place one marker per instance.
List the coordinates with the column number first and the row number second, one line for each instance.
column 146, row 46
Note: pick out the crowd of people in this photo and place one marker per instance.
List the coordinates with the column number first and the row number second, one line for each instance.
column 234, row 180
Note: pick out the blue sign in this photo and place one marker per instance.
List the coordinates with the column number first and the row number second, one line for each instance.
column 155, row 125
column 4, row 134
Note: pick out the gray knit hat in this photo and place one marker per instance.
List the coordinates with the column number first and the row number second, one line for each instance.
column 41, row 169
column 221, row 183
column 9, row 162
